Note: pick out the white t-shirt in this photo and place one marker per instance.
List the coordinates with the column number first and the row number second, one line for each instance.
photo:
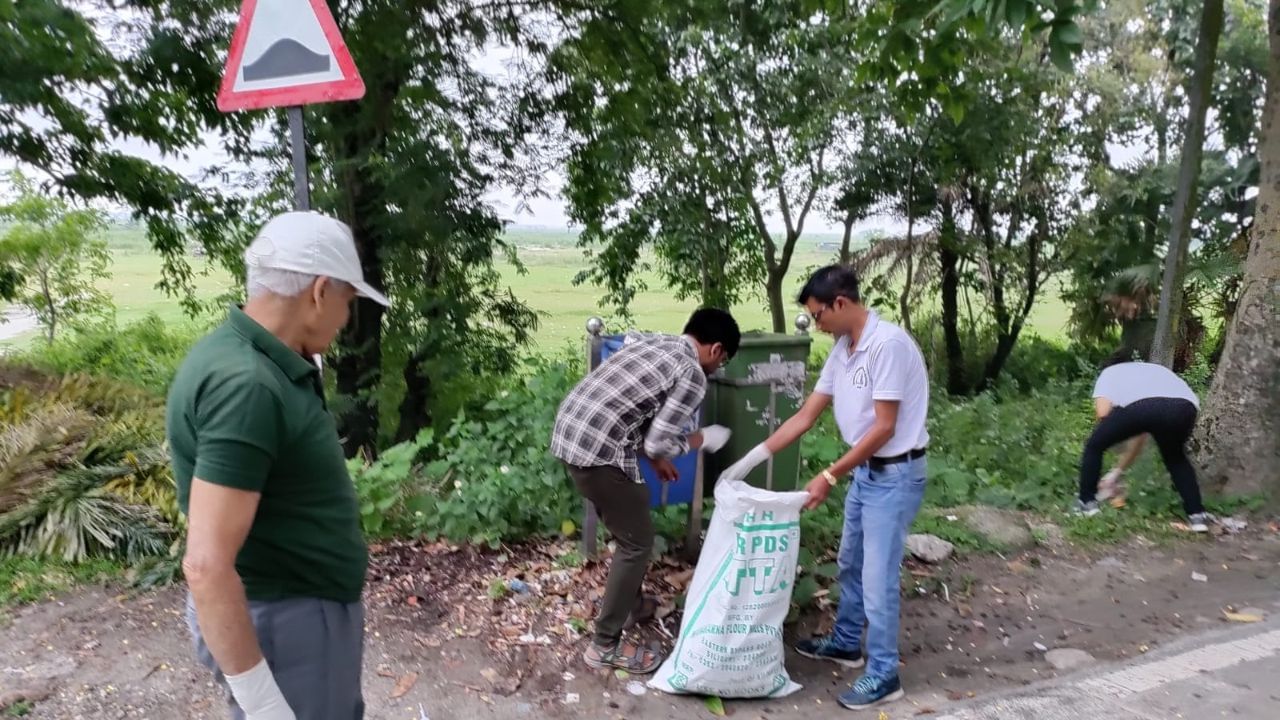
column 1127, row 383
column 886, row 365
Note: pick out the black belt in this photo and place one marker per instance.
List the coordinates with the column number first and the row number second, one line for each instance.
column 879, row 462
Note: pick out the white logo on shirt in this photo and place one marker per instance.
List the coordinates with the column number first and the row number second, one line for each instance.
column 860, row 378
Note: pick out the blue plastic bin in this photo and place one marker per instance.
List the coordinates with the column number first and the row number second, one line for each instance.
column 681, row 491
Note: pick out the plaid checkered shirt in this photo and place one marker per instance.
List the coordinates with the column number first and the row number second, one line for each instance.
column 642, row 400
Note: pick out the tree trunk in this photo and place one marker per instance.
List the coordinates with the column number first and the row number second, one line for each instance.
column 358, row 367
column 949, row 257
column 777, row 306
column 1184, row 200
column 415, row 407
column 904, row 298
column 845, row 252
column 51, row 327
column 1238, row 441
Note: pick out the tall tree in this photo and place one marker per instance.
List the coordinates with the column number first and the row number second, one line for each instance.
column 55, row 256
column 1238, row 440
column 1184, row 201
column 687, row 112
column 90, row 76
column 693, row 136
column 408, row 167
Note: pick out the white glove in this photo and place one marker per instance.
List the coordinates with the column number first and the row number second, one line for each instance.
column 258, row 695
column 714, row 437
column 739, row 470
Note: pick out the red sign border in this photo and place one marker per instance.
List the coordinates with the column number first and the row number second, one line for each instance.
column 350, row 87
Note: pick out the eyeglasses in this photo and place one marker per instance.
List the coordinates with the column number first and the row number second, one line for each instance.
column 817, row 316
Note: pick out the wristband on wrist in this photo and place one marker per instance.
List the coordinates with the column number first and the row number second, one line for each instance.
column 831, row 479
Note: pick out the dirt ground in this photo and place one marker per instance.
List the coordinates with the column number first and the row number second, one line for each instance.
column 971, row 627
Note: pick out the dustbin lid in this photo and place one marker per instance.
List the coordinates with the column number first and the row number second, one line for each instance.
column 758, row 338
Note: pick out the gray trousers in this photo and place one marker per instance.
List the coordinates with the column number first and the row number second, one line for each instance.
column 315, row 649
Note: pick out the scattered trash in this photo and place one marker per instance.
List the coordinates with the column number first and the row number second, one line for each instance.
column 1233, row 525
column 1243, row 616
column 715, row 706
column 572, row 698
column 621, row 674
column 517, row 586
column 490, row 675
column 1199, row 577
column 636, row 689
column 953, row 518
column 568, row 677
column 422, row 714
column 1040, row 646
column 1068, row 658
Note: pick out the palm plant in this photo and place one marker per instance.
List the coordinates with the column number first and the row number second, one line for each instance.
column 76, row 483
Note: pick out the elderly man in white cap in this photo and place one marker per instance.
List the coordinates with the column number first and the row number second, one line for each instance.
column 275, row 559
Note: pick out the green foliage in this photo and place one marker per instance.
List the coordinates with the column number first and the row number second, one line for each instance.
column 1145, row 51
column 482, row 472
column 382, row 486
column 27, row 580
column 1012, row 452
column 155, row 88
column 82, row 470
column 54, row 255
column 691, row 123
column 497, row 589
column 145, row 353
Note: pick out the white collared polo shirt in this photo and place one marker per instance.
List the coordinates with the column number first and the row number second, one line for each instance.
column 886, row 365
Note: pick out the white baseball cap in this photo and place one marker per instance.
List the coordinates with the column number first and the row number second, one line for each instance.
column 307, row 242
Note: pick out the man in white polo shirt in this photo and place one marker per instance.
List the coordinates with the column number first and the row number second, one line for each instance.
column 876, row 378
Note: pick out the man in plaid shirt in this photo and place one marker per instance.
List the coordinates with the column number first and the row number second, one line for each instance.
column 641, row 401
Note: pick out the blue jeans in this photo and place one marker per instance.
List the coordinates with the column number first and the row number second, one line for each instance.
column 878, row 512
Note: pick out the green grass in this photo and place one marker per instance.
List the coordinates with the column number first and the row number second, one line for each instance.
column 551, row 261
column 27, row 580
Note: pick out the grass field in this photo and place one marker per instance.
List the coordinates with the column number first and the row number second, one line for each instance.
column 551, row 261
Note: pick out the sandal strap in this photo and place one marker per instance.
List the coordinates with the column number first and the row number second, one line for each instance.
column 634, row 661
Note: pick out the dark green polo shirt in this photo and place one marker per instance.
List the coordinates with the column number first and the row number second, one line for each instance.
column 247, row 412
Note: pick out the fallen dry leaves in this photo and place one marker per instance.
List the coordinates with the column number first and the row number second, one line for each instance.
column 404, row 684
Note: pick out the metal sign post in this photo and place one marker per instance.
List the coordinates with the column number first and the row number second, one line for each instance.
column 298, row 142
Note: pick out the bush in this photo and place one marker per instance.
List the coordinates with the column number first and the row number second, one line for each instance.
column 145, row 353
column 488, row 477
column 1034, row 362
column 83, row 472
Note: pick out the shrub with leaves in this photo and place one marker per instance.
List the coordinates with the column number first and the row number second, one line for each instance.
column 83, row 472
column 145, row 353
column 488, row 477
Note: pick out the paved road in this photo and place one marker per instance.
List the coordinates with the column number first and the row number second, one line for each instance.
column 1233, row 674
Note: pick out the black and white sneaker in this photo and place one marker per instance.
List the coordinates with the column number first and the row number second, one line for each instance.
column 1200, row 522
column 1087, row 509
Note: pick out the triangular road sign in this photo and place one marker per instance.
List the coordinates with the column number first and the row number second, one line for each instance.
column 287, row 52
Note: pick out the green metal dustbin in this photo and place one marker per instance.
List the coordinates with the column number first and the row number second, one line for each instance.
column 757, row 391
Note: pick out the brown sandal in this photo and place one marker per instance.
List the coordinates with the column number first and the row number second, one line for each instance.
column 615, row 658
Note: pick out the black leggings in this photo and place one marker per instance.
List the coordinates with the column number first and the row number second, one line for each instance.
column 1168, row 420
